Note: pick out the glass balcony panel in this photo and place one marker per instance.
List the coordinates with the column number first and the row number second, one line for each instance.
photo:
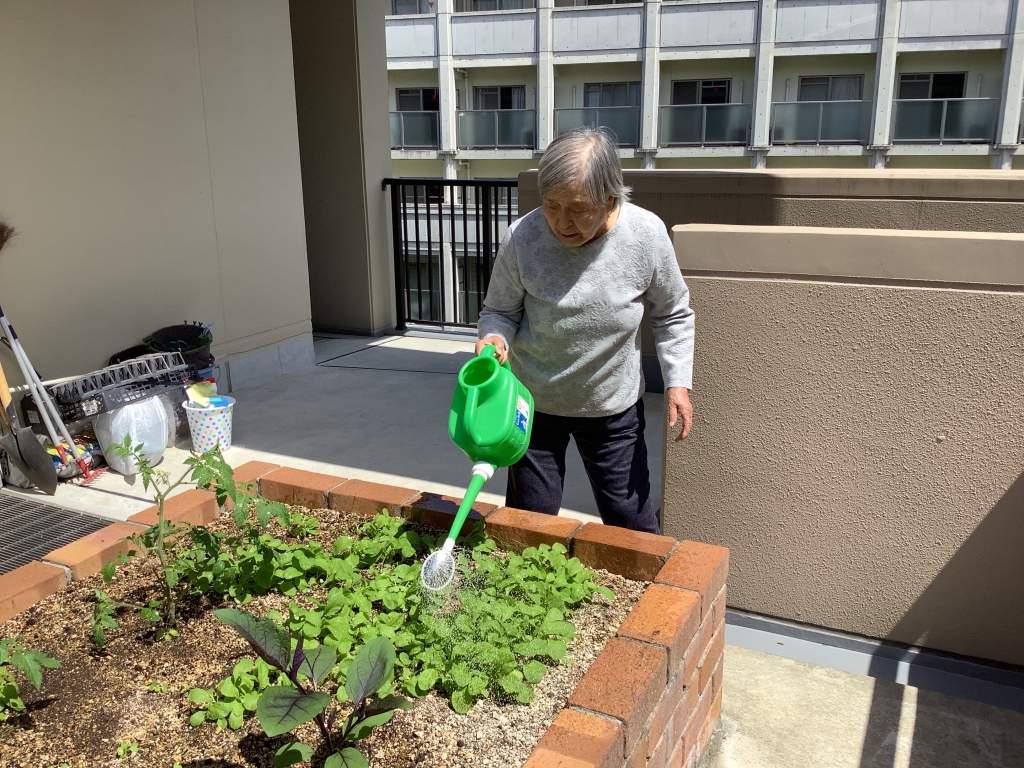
column 845, row 122
column 396, row 130
column 567, row 119
column 727, row 124
column 419, row 129
column 496, row 128
column 476, row 129
column 682, row 124
column 623, row 121
column 795, row 122
column 971, row 120
column 515, row 128
column 918, row 120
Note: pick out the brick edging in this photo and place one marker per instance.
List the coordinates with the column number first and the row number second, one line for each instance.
column 652, row 697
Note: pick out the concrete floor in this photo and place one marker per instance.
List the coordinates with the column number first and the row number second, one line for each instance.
column 373, row 409
column 779, row 713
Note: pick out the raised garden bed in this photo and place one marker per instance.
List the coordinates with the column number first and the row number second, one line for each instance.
column 651, row 697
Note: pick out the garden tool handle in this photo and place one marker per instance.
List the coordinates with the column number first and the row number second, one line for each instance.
column 5, row 390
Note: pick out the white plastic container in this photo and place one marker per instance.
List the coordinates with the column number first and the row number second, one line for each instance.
column 210, row 427
column 145, row 421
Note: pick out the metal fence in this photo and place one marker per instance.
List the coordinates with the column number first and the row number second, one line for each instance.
column 445, row 235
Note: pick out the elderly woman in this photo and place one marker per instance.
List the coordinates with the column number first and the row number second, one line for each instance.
column 565, row 301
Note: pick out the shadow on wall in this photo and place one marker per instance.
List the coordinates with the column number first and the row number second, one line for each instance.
column 973, row 590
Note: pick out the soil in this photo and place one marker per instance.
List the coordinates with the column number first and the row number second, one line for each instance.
column 99, row 699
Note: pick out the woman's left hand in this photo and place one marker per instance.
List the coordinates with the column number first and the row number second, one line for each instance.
column 679, row 406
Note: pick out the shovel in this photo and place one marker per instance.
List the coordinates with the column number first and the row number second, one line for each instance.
column 24, row 451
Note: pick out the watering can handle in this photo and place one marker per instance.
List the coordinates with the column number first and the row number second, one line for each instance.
column 489, row 351
column 469, row 414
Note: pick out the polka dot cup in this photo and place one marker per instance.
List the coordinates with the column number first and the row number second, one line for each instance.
column 210, row 426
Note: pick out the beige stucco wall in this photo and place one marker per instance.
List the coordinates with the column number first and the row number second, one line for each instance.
column 149, row 157
column 969, row 200
column 342, row 93
column 859, row 434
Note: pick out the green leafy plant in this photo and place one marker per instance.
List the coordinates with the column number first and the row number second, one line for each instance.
column 105, row 608
column 156, row 686
column 228, row 702
column 127, row 749
column 282, row 708
column 157, row 543
column 496, row 637
column 303, row 526
column 13, row 655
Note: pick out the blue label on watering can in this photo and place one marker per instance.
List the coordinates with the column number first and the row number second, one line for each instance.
column 522, row 414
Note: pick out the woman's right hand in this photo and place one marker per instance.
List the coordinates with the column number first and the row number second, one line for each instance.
column 500, row 352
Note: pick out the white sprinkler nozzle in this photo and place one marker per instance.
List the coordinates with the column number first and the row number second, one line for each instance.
column 484, row 469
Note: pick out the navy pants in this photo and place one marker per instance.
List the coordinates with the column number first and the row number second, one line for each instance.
column 614, row 454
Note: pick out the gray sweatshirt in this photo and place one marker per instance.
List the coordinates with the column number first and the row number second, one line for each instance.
column 571, row 316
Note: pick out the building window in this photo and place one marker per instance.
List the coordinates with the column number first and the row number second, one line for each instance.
column 834, row 88
column 469, row 6
column 701, row 91
column 500, row 97
column 410, row 7
column 417, row 100
column 611, row 95
column 940, row 85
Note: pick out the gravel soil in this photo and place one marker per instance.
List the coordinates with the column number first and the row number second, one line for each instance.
column 99, row 700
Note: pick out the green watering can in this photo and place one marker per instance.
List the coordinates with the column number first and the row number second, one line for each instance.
column 491, row 419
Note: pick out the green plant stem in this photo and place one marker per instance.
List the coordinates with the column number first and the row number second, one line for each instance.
column 161, row 497
column 320, row 720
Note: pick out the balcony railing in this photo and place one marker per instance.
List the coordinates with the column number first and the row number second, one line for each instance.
column 624, row 121
column 704, row 124
column 821, row 122
column 497, row 129
column 945, row 121
column 445, row 235
column 414, row 130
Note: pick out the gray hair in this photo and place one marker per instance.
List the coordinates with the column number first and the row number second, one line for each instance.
column 586, row 159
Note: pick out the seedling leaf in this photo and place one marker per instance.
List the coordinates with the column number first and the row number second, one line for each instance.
column 282, row 708
column 290, row 754
column 349, row 757
column 371, row 666
column 269, row 641
column 318, row 663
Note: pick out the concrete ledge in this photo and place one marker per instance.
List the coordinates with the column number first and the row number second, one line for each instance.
column 249, row 370
column 868, row 254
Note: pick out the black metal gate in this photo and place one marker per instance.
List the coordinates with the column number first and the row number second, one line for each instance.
column 445, row 234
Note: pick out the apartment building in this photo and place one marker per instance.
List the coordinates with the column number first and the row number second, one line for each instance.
column 478, row 88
